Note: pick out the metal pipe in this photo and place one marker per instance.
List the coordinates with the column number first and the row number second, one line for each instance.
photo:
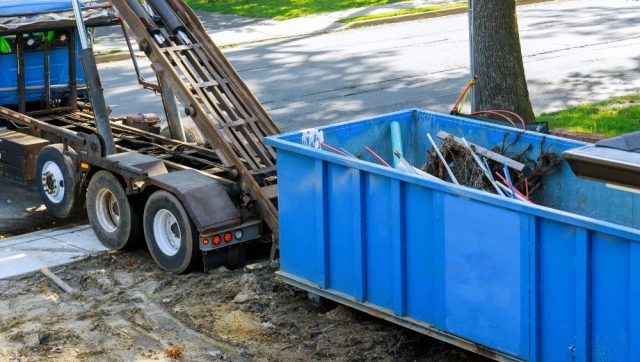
column 508, row 177
column 507, row 183
column 22, row 107
column 47, row 74
column 38, row 87
column 171, row 110
column 146, row 20
column 84, row 41
column 98, row 104
column 487, row 171
column 170, row 19
column 444, row 161
column 508, row 190
column 73, row 81
column 347, row 152
column 92, row 7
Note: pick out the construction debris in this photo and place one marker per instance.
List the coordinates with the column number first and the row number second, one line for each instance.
column 59, row 282
column 517, row 177
column 464, row 163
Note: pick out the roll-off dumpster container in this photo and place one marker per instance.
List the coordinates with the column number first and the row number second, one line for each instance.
column 556, row 281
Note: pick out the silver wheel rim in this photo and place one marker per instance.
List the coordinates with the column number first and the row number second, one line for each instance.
column 166, row 232
column 107, row 210
column 53, row 182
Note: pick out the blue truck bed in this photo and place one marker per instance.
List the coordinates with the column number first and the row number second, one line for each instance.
column 557, row 281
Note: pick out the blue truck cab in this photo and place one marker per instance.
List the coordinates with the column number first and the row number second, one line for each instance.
column 34, row 40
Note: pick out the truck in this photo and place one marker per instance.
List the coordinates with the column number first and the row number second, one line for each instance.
column 195, row 204
column 513, row 281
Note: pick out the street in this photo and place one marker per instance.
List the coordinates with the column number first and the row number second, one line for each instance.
column 574, row 51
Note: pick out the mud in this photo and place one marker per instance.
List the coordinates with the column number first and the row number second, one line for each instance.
column 124, row 308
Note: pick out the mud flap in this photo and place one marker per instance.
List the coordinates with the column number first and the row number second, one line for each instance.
column 230, row 257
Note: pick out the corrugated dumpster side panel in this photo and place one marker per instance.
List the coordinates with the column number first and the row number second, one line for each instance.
column 490, row 274
column 297, row 208
column 588, row 293
column 485, row 272
column 407, row 249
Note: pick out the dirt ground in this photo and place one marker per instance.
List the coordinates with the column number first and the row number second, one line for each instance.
column 124, row 308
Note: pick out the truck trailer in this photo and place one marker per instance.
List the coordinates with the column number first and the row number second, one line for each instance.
column 196, row 204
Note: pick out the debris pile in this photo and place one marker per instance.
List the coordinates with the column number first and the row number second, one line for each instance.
column 499, row 171
column 496, row 170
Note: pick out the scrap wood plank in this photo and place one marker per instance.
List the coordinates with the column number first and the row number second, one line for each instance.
column 64, row 286
column 520, row 167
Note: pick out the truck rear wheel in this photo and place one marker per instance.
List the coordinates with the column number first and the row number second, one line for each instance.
column 57, row 183
column 171, row 236
column 114, row 217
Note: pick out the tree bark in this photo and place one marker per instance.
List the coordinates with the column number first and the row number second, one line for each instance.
column 501, row 82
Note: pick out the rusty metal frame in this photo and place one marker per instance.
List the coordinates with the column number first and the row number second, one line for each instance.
column 416, row 325
column 199, row 100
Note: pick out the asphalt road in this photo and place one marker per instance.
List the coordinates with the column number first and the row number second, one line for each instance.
column 574, row 51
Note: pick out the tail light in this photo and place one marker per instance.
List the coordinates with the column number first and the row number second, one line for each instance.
column 228, row 237
column 217, row 240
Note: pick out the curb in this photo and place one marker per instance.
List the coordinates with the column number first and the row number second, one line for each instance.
column 112, row 57
column 105, row 58
column 403, row 18
column 425, row 15
column 356, row 24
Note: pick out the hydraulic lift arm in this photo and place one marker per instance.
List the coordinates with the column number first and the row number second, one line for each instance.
column 212, row 94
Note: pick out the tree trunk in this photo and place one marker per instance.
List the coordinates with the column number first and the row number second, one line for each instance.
column 501, row 82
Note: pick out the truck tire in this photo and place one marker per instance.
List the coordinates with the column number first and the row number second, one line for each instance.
column 172, row 238
column 115, row 218
column 191, row 132
column 56, row 182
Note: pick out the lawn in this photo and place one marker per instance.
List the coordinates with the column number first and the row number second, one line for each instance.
column 612, row 118
column 280, row 9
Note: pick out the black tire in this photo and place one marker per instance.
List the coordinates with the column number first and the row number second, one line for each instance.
column 56, row 182
column 171, row 236
column 191, row 132
column 115, row 218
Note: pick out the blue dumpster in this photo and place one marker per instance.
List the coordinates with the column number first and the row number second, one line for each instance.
column 557, row 281
column 34, row 54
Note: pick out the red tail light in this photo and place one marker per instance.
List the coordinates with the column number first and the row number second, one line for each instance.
column 216, row 240
column 228, row 237
column 205, row 241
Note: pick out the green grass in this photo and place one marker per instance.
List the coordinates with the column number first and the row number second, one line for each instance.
column 106, row 52
column 612, row 118
column 404, row 12
column 280, row 9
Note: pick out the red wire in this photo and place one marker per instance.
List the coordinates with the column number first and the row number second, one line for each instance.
column 495, row 113
column 466, row 89
column 524, row 125
column 376, row 156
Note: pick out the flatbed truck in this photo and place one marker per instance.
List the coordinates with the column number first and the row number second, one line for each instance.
column 195, row 204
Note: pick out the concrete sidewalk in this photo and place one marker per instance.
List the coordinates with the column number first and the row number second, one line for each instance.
column 234, row 30
column 26, row 254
